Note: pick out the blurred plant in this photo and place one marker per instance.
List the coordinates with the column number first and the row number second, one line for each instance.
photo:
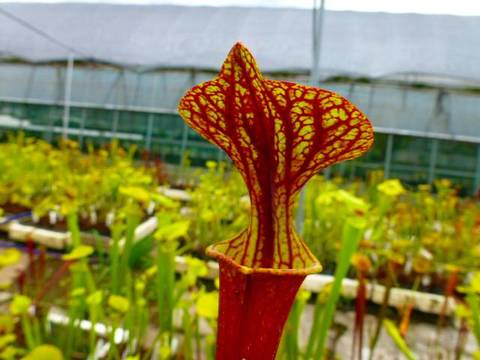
column 397, row 338
column 362, row 265
column 219, row 206
column 353, row 231
column 472, row 314
column 58, row 183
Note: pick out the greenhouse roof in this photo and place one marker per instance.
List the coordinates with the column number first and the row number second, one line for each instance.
column 354, row 44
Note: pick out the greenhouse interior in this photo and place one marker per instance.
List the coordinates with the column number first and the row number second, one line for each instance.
column 239, row 181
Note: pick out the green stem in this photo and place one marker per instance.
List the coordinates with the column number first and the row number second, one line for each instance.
column 383, row 311
column 72, row 223
column 132, row 223
column 290, row 336
column 474, row 303
column 165, row 286
column 113, row 352
column 351, row 235
column 115, row 259
column 93, row 334
column 187, row 335
column 28, row 332
column 317, row 316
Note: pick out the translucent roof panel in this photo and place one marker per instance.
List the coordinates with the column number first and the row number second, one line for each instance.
column 354, row 44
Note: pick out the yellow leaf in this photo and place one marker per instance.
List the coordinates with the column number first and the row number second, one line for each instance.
column 95, row 298
column 119, row 303
column 79, row 252
column 207, row 305
column 44, row 352
column 135, row 192
column 20, row 304
column 9, row 257
column 392, row 187
column 164, row 201
column 6, row 340
column 173, row 231
column 211, row 164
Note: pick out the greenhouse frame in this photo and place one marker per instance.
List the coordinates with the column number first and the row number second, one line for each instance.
column 100, row 72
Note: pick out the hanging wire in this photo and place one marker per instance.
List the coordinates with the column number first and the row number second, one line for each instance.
column 43, row 34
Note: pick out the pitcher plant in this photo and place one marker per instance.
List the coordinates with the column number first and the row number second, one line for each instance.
column 278, row 135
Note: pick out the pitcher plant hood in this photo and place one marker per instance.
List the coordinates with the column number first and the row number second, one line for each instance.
column 278, row 134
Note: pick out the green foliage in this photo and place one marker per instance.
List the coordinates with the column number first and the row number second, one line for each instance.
column 220, row 206
column 431, row 230
column 43, row 352
column 394, row 333
column 139, row 254
column 35, row 175
column 352, row 233
column 137, row 284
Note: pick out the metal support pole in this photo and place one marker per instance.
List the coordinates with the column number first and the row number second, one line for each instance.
column 351, row 90
column 68, row 94
column 342, row 169
column 352, row 172
column 82, row 127
column 137, row 89
column 86, row 95
column 328, row 173
column 371, row 95
column 476, row 180
column 433, row 161
column 318, row 11
column 388, row 157
column 148, row 136
column 317, row 22
column 184, row 143
column 219, row 155
column 183, row 147
column 116, row 114
column 116, row 118
column 31, row 80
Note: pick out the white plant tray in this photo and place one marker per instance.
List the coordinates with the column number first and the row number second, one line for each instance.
column 61, row 239
column 175, row 194
column 425, row 302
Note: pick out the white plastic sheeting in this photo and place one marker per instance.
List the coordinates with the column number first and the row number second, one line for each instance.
column 432, row 47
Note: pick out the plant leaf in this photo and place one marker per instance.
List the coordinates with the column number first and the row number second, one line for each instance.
column 392, row 330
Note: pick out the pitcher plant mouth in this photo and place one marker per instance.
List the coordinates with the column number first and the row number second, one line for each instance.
column 222, row 258
column 278, row 135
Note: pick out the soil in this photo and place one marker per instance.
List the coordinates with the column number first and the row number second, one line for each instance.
column 85, row 225
column 10, row 208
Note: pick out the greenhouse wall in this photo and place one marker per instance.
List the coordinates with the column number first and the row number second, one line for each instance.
column 423, row 133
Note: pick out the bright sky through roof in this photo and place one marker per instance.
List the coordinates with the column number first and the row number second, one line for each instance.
column 452, row 7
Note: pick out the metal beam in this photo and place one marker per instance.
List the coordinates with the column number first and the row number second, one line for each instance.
column 387, row 165
column 68, row 95
column 317, row 27
column 476, row 180
column 148, row 137
column 433, row 161
column 166, row 111
column 317, row 22
column 82, row 127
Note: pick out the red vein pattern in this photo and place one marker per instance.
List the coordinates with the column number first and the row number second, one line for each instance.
column 278, row 134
